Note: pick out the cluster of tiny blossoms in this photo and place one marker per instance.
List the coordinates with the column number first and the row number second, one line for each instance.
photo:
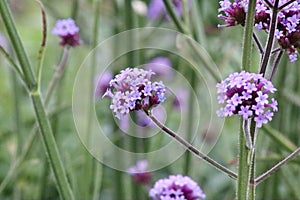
column 287, row 32
column 67, row 30
column 247, row 94
column 132, row 90
column 176, row 187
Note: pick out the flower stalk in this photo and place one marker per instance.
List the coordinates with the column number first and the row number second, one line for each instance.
column 244, row 167
column 190, row 147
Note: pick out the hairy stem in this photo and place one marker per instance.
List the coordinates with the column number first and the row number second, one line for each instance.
column 245, row 154
column 248, row 34
column 265, row 175
column 190, row 147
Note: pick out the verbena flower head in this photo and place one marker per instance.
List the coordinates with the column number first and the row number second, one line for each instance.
column 176, row 187
column 139, row 172
column 67, row 30
column 287, row 32
column 157, row 10
column 247, row 94
column 132, row 90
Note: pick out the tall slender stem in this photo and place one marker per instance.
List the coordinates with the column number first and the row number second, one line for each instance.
column 174, row 17
column 269, row 46
column 51, row 147
column 244, row 165
column 248, row 34
column 89, row 168
column 191, row 147
column 190, row 117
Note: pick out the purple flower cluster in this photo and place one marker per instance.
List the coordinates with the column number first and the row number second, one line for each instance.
column 287, row 32
column 157, row 10
column 132, row 90
column 247, row 94
column 67, row 30
column 176, row 187
column 139, row 172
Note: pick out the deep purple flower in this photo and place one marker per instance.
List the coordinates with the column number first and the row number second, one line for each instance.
column 132, row 90
column 139, row 172
column 176, row 187
column 157, row 10
column 247, row 94
column 287, row 32
column 67, row 30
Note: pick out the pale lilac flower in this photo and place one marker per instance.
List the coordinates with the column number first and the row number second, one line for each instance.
column 132, row 90
column 176, row 187
column 245, row 112
column 139, row 172
column 67, row 30
column 247, row 94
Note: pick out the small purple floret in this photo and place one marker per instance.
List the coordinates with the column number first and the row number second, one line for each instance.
column 67, row 30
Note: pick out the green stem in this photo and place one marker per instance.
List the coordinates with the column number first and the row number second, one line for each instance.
column 190, row 125
column 17, row 44
column 88, row 170
column 181, row 28
column 17, row 111
column 244, row 166
column 74, row 11
column 51, row 147
column 97, row 166
column 248, row 33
